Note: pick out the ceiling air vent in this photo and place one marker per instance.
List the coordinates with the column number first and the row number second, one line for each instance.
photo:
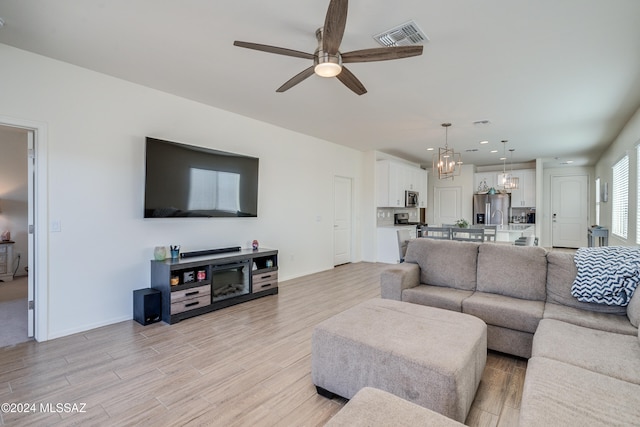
column 406, row 34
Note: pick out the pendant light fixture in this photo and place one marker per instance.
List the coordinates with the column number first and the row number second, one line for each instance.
column 507, row 181
column 447, row 163
column 503, row 177
column 513, row 181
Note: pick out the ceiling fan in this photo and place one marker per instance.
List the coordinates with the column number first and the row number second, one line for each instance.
column 327, row 59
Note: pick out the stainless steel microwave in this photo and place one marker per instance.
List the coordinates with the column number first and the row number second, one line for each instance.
column 411, row 199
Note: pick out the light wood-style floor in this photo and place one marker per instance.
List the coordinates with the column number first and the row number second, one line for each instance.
column 246, row 365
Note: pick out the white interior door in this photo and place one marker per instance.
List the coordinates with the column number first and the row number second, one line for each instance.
column 342, row 213
column 569, row 211
column 447, row 205
column 30, row 234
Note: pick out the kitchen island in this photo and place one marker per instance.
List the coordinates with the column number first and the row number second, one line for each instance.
column 509, row 233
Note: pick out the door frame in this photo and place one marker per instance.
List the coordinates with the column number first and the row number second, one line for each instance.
column 40, row 209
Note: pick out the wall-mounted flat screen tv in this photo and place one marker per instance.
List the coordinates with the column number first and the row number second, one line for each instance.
column 187, row 181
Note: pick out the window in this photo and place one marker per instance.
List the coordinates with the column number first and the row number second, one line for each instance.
column 620, row 198
column 597, row 201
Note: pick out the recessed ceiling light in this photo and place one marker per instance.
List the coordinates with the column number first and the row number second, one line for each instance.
column 484, row 142
column 430, row 149
column 569, row 161
column 493, row 151
column 503, row 158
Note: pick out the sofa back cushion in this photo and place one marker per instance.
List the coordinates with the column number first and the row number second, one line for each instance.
column 446, row 263
column 633, row 309
column 561, row 272
column 515, row 271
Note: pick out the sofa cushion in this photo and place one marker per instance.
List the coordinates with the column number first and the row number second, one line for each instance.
column 561, row 272
column 515, row 271
column 633, row 309
column 395, row 279
column 500, row 310
column 618, row 324
column 436, row 296
column 614, row 355
column 560, row 394
column 445, row 262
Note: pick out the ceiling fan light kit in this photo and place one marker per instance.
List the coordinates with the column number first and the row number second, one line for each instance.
column 447, row 163
column 327, row 59
column 325, row 64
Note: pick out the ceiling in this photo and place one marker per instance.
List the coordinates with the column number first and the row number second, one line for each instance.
column 556, row 78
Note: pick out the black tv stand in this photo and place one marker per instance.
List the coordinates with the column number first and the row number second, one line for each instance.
column 210, row 252
column 205, row 283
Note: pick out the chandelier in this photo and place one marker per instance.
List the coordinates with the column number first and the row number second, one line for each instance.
column 448, row 163
column 508, row 181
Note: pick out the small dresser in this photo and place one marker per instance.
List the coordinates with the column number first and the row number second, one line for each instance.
column 6, row 260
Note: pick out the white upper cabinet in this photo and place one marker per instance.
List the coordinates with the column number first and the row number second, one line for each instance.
column 394, row 178
column 525, row 195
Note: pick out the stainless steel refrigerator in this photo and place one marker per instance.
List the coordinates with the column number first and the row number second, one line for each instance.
column 491, row 208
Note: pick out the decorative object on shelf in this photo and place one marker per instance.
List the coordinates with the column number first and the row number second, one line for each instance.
column 448, row 163
column 269, row 263
column 159, row 253
column 6, row 236
column 188, row 277
column 175, row 251
column 491, row 191
column 175, row 280
column 254, row 245
column 483, row 187
column 462, row 223
column 201, row 275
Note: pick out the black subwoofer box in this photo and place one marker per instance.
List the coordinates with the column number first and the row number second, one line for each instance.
column 147, row 306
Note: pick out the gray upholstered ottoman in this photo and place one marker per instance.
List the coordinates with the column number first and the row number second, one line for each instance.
column 428, row 356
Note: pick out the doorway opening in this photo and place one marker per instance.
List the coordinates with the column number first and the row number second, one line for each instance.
column 24, row 217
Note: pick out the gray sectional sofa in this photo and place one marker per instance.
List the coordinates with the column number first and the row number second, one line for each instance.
column 584, row 366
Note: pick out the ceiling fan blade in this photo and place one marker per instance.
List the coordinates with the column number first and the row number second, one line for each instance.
column 296, row 79
column 274, row 49
column 351, row 81
column 381, row 54
column 334, row 24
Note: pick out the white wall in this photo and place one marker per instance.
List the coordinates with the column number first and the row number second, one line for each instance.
column 625, row 143
column 96, row 129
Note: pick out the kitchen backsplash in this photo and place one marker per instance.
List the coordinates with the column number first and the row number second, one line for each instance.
column 519, row 215
column 384, row 216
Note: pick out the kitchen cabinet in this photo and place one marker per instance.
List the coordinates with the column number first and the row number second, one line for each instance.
column 525, row 195
column 388, row 250
column 394, row 178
